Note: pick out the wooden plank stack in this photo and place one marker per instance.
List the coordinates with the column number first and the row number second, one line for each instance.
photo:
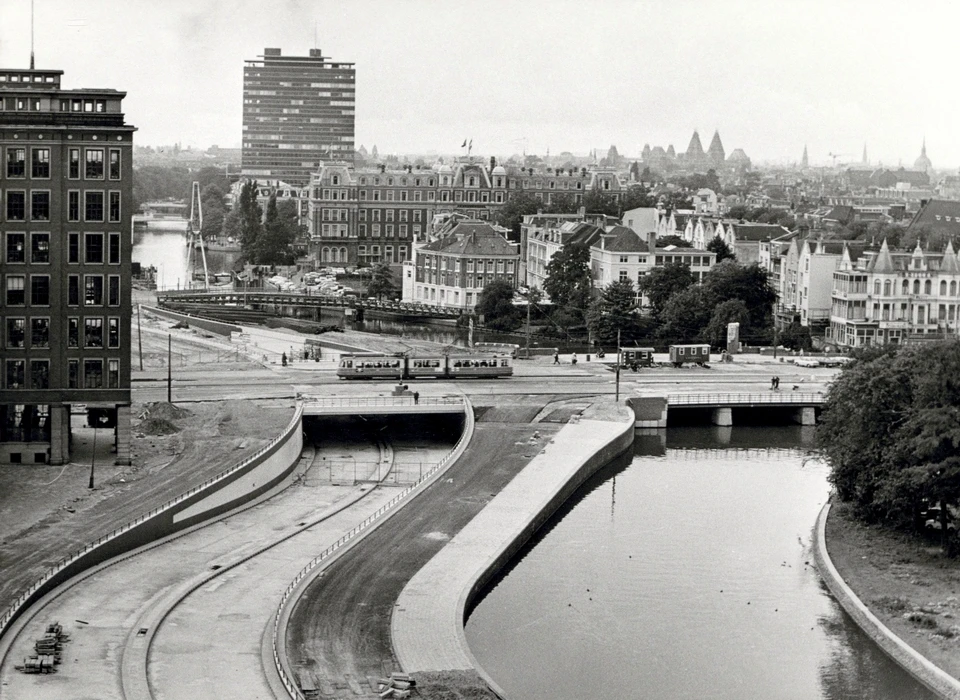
column 49, row 650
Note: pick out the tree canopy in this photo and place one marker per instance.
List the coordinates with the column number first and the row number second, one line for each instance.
column 381, row 282
column 496, row 305
column 719, row 246
column 663, row 282
column 251, row 217
column 616, row 310
column 568, row 276
column 512, row 212
column 890, row 430
column 275, row 242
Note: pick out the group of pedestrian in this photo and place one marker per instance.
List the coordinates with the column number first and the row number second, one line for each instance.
column 774, row 383
column 556, row 358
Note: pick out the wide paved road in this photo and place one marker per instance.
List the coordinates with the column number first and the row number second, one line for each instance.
column 340, row 630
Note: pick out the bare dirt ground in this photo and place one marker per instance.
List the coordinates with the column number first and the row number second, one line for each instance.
column 47, row 512
column 905, row 581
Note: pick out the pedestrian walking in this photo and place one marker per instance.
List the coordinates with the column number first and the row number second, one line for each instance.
column 776, row 383
column 556, row 357
column 773, row 383
column 416, row 398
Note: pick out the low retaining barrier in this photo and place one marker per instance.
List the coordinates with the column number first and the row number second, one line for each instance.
column 292, row 593
column 218, row 494
column 218, row 327
column 920, row 667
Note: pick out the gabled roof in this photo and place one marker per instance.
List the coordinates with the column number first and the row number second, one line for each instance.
column 941, row 215
column 755, row 232
column 472, row 238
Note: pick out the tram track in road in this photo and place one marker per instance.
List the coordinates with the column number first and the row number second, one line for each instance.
column 116, row 600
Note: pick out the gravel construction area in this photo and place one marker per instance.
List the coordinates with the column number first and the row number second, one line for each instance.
column 47, row 512
column 905, row 581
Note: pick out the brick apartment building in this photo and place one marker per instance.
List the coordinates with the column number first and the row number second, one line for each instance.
column 66, row 191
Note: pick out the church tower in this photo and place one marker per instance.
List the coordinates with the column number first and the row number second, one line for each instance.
column 715, row 152
column 923, row 163
column 804, row 162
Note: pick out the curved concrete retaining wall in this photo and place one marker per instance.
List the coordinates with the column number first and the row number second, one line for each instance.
column 277, row 635
column 217, row 495
column 917, row 665
column 428, row 618
column 218, row 327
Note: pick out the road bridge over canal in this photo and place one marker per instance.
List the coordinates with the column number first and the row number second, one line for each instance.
column 722, row 408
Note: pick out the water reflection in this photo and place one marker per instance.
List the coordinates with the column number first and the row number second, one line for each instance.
column 167, row 252
column 683, row 572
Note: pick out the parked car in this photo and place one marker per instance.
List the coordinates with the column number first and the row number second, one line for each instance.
column 931, row 519
column 806, row 362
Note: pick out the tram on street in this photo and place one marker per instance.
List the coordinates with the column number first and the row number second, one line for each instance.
column 373, row 366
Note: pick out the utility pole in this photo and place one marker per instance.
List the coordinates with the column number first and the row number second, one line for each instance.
column 528, row 326
column 618, row 367
column 139, row 338
column 169, row 370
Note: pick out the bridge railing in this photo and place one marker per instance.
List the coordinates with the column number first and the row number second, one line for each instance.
column 773, row 397
column 366, row 401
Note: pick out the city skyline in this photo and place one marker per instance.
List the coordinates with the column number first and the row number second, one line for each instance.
column 531, row 76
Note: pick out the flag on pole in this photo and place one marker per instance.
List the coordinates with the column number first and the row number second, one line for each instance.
column 464, row 145
column 471, row 143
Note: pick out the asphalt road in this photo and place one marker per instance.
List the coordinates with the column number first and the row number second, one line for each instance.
column 339, row 631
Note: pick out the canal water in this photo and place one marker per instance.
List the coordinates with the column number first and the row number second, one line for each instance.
column 683, row 571
column 167, row 252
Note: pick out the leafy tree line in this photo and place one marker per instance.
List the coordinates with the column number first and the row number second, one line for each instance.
column 264, row 239
column 890, row 430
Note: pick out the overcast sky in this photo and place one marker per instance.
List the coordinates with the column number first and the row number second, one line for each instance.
column 771, row 75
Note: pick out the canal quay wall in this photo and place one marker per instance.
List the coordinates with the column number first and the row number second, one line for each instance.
column 231, row 488
column 427, row 624
column 921, row 668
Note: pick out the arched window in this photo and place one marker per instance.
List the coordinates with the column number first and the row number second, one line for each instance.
column 916, row 286
column 886, row 288
column 953, row 289
column 927, row 287
column 906, row 287
column 343, row 255
column 943, row 288
column 325, row 255
column 876, row 288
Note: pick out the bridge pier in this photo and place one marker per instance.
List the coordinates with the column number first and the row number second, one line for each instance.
column 806, row 415
column 721, row 416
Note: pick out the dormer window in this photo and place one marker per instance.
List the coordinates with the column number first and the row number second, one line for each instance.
column 335, row 180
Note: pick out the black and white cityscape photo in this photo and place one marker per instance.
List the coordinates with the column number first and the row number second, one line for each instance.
column 479, row 350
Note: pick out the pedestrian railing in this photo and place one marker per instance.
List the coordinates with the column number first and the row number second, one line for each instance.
column 778, row 397
column 381, row 512
column 20, row 603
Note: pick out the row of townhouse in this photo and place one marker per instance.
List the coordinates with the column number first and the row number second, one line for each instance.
column 895, row 297
column 376, row 215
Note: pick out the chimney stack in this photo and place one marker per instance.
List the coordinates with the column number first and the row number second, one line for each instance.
column 652, row 241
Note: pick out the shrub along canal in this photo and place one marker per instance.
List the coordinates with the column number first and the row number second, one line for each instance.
column 684, row 571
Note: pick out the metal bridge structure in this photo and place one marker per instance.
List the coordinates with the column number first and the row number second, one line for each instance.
column 195, row 237
column 262, row 298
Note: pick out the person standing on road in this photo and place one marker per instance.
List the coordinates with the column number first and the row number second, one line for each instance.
column 416, row 398
column 556, row 357
column 573, row 360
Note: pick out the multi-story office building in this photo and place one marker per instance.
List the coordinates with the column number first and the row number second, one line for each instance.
column 66, row 191
column 298, row 111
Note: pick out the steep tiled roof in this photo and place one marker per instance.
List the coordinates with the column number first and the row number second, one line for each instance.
column 940, row 215
column 472, row 238
column 757, row 232
column 620, row 239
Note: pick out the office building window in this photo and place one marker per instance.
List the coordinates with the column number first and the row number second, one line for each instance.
column 113, row 332
column 73, row 164
column 93, row 248
column 93, row 290
column 15, row 371
column 16, row 206
column 40, row 163
column 16, row 332
column 73, row 205
column 73, row 374
column 114, row 249
column 113, row 374
column 73, row 332
column 40, row 332
column 39, row 290
column 94, row 168
column 113, row 291
column 73, row 290
column 16, row 290
column 114, row 206
column 16, row 162
column 73, row 247
column 114, row 164
column 39, row 374
column 16, row 247
column 40, row 206
column 93, row 332
column 93, row 374
column 40, row 248
column 93, row 202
